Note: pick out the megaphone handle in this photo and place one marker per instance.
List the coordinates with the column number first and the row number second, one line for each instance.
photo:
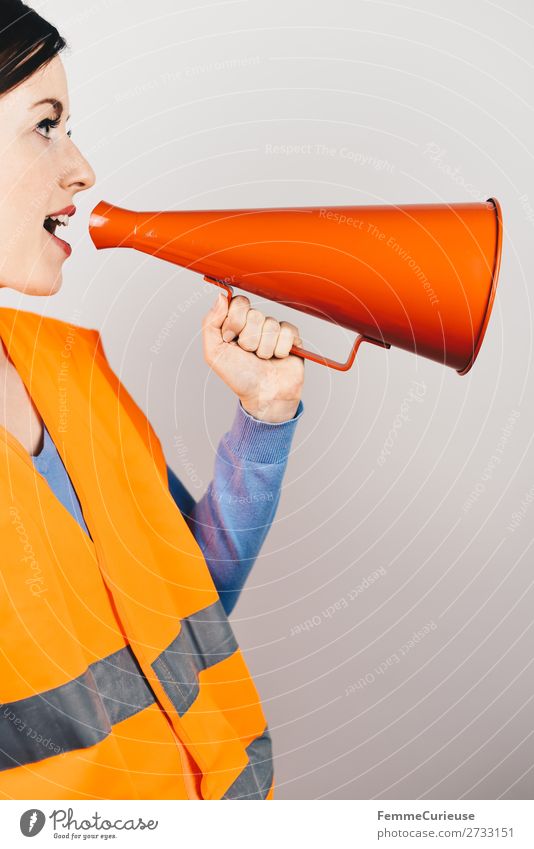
column 226, row 286
column 335, row 364
column 303, row 352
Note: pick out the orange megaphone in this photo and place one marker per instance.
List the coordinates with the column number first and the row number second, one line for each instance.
column 421, row 277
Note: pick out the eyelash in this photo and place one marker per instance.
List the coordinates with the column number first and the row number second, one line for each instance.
column 50, row 124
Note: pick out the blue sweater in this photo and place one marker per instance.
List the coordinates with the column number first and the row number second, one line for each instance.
column 233, row 517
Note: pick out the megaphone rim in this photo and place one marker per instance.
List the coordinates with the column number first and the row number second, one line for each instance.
column 493, row 288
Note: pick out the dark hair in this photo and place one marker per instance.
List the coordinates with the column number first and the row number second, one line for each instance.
column 27, row 41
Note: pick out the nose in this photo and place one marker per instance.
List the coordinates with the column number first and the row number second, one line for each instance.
column 78, row 174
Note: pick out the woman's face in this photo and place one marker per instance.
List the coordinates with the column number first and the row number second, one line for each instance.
column 41, row 170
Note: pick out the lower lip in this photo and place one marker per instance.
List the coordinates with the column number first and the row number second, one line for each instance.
column 61, row 242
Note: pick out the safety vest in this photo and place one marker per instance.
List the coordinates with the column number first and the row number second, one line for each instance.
column 120, row 675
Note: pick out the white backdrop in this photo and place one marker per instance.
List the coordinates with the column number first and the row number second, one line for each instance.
column 227, row 104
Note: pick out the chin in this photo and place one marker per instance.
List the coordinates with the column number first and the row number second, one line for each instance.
column 54, row 287
column 43, row 287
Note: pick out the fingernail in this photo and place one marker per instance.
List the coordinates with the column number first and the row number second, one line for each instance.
column 228, row 335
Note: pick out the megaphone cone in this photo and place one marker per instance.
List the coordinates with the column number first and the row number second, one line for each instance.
column 421, row 277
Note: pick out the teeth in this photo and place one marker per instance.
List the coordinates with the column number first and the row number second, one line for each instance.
column 61, row 219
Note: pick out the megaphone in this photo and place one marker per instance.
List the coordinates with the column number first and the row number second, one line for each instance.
column 421, row 277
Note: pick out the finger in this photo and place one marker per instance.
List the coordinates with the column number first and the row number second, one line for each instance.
column 250, row 336
column 236, row 318
column 289, row 336
column 268, row 339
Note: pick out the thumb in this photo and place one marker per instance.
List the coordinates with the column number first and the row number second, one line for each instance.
column 218, row 311
column 212, row 324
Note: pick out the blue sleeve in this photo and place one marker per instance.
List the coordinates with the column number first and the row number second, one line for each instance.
column 233, row 517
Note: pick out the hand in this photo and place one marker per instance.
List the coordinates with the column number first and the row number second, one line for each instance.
column 250, row 352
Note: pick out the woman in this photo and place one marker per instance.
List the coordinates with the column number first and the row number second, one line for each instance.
column 120, row 676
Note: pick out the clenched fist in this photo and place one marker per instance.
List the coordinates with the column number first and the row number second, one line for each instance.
column 250, row 352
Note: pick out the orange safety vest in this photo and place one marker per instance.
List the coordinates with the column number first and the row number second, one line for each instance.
column 120, row 675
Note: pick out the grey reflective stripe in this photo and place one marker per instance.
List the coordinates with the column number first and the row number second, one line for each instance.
column 122, row 685
column 205, row 638
column 82, row 712
column 74, row 715
column 256, row 779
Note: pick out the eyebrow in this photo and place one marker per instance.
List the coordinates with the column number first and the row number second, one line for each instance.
column 57, row 104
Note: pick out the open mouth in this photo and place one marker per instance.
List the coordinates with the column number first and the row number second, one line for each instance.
column 51, row 222
column 56, row 220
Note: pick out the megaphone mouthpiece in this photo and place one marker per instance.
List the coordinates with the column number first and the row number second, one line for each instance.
column 112, row 226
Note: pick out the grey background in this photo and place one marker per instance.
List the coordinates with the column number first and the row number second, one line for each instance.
column 176, row 105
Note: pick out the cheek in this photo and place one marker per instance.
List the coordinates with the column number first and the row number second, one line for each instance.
column 25, row 189
column 27, row 186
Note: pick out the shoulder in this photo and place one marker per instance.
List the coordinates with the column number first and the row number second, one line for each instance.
column 91, row 369
column 47, row 327
column 45, row 334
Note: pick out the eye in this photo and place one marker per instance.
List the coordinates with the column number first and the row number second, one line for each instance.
column 47, row 124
